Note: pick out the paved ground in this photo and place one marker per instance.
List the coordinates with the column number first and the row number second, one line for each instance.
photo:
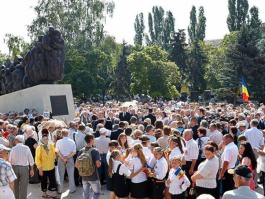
column 34, row 192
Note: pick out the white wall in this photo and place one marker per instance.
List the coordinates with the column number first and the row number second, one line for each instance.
column 38, row 97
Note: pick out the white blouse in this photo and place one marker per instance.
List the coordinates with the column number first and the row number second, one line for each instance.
column 160, row 169
column 176, row 185
column 137, row 165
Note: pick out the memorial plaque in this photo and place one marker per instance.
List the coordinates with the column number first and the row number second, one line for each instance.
column 59, row 105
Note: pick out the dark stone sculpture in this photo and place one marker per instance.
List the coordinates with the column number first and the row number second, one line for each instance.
column 42, row 64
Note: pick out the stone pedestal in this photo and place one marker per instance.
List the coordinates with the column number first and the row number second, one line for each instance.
column 55, row 98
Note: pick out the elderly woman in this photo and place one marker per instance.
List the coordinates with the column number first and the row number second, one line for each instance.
column 45, row 158
column 205, row 177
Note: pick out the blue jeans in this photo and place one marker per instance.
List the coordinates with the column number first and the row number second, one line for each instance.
column 95, row 185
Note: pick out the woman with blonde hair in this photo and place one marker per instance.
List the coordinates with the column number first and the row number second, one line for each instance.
column 139, row 185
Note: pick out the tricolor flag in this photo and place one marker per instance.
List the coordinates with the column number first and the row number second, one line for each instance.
column 245, row 94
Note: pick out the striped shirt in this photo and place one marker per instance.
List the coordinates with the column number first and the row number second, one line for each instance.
column 20, row 155
column 7, row 174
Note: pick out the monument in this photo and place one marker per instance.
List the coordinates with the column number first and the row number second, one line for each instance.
column 40, row 68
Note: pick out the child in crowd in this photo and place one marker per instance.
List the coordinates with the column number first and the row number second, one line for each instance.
column 177, row 181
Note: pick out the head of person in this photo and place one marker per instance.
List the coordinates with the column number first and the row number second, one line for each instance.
column 212, row 143
column 137, row 151
column 254, row 123
column 4, row 152
column 201, row 132
column 175, row 141
column 241, row 175
column 188, row 134
column 158, row 133
column 141, row 127
column 122, row 125
column 19, row 139
column 213, row 127
column 89, row 139
column 193, row 121
column 103, row 131
column 204, row 124
column 150, row 129
column 72, row 125
column 153, row 145
column 128, row 131
column 159, row 124
column 241, row 139
column 166, row 130
column 232, row 122
column 114, row 156
column 241, row 116
column 158, row 153
column 113, row 144
column 175, row 162
column 133, row 120
column 82, row 128
column 233, row 131
column 65, row 132
column 209, row 151
column 145, row 141
column 147, row 121
column 14, row 130
column 45, row 139
column 227, row 139
column 241, row 126
column 122, row 139
column 245, row 150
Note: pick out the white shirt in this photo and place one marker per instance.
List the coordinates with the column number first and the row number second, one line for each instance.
column 129, row 140
column 230, row 155
column 65, row 146
column 192, row 150
column 151, row 137
column 254, row 137
column 147, row 153
column 242, row 192
column 123, row 169
column 137, row 165
column 261, row 161
column 71, row 132
column 174, row 186
column 102, row 144
column 4, row 141
column 216, row 137
column 175, row 152
column 208, row 169
column 160, row 169
column 20, row 155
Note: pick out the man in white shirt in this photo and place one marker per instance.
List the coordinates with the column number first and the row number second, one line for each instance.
column 229, row 158
column 66, row 150
column 241, row 176
column 21, row 158
column 215, row 135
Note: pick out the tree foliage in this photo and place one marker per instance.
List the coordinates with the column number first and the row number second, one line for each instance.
column 16, row 45
column 238, row 12
column 81, row 22
column 152, row 73
column 139, row 29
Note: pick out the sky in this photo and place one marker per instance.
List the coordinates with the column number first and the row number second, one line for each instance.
column 15, row 15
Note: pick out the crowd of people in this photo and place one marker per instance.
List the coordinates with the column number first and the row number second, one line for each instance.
column 154, row 150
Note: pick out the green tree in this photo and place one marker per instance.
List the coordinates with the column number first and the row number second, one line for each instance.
column 169, row 28
column 201, row 26
column 238, row 12
column 152, row 73
column 255, row 22
column 139, row 29
column 193, row 25
column 81, row 22
column 120, row 85
column 16, row 45
column 178, row 52
column 244, row 59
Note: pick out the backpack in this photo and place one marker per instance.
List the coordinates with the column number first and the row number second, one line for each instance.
column 85, row 162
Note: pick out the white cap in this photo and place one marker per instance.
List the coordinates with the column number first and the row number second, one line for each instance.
column 241, row 115
column 103, row 130
column 3, row 147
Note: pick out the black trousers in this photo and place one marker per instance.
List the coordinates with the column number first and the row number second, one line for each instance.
column 52, row 180
column 178, row 196
column 186, row 168
column 202, row 190
column 263, row 181
column 157, row 190
column 227, row 182
column 77, row 178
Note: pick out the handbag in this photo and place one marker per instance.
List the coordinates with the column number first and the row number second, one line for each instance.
column 193, row 190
